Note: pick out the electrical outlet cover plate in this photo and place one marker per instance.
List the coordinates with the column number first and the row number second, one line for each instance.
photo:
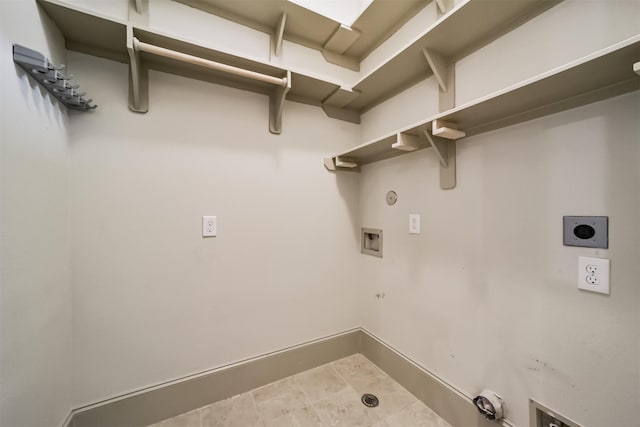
column 209, row 226
column 414, row 223
column 593, row 274
column 586, row 231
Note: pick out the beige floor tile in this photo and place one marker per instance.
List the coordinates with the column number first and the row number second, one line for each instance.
column 189, row 419
column 320, row 383
column 365, row 377
column 328, row 396
column 239, row 411
column 302, row 417
column 279, row 398
column 358, row 371
column 416, row 415
column 344, row 409
column 392, row 396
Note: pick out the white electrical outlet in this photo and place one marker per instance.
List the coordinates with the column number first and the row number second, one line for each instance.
column 209, row 226
column 414, row 223
column 593, row 274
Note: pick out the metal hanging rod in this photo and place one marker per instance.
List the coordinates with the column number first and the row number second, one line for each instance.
column 171, row 54
column 50, row 77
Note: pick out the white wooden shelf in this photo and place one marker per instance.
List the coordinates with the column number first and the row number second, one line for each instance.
column 601, row 75
column 344, row 44
column 461, row 30
column 468, row 26
column 90, row 33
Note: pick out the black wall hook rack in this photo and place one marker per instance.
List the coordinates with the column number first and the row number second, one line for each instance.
column 51, row 78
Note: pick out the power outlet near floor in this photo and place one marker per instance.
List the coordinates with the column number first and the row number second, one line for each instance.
column 593, row 274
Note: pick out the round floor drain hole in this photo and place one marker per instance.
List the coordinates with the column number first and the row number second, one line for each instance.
column 370, row 400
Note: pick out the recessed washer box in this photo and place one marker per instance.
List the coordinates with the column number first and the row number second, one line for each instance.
column 371, row 242
column 586, row 231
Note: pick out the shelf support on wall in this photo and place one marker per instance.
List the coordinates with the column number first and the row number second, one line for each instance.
column 406, row 142
column 329, row 163
column 341, row 40
column 275, row 105
column 139, row 82
column 335, row 105
column 446, row 152
column 444, row 6
column 446, row 130
column 345, row 162
column 138, row 78
column 444, row 72
column 278, row 35
column 139, row 12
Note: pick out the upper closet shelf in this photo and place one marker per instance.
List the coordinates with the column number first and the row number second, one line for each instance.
column 94, row 34
column 460, row 30
column 468, row 26
column 601, row 75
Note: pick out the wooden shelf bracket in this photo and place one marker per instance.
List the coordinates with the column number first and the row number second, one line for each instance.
column 446, row 152
column 444, row 6
column 275, row 106
column 406, row 142
column 329, row 163
column 444, row 72
column 278, row 35
column 345, row 162
column 446, row 130
column 335, row 105
column 138, row 78
column 139, row 12
column 341, row 40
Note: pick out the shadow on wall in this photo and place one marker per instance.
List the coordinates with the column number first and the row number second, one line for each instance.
column 38, row 99
column 348, row 184
column 180, row 108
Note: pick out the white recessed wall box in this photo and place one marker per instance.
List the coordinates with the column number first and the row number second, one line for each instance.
column 371, row 242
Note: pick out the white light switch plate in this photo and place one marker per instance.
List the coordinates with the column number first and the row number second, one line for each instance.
column 593, row 274
column 414, row 223
column 209, row 226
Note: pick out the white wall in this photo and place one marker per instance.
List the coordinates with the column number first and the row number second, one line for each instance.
column 153, row 300
column 35, row 298
column 567, row 32
column 487, row 296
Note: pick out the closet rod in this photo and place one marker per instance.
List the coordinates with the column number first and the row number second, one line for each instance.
column 149, row 48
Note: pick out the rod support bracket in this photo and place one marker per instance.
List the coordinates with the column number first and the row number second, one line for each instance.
column 276, row 103
column 138, row 77
column 446, row 152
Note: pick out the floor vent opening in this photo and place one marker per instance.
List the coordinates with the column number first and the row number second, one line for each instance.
column 370, row 400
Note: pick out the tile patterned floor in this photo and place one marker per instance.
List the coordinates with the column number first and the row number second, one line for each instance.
column 325, row 396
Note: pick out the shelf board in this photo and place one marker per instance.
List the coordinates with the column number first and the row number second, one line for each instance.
column 87, row 32
column 601, row 75
column 308, row 28
column 467, row 27
column 482, row 21
column 101, row 36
